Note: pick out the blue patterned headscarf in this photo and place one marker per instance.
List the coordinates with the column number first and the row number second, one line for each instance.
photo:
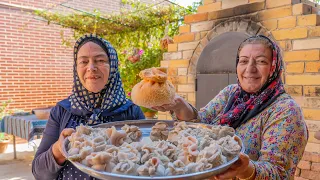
column 111, row 98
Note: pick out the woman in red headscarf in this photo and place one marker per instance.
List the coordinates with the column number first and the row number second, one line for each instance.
column 269, row 122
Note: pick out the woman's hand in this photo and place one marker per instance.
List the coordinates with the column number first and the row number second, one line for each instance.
column 242, row 169
column 177, row 103
column 181, row 108
column 317, row 135
column 57, row 146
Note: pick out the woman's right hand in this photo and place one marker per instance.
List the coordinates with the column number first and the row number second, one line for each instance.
column 57, row 146
column 177, row 103
column 181, row 108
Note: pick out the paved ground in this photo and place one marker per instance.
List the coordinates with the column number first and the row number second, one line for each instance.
column 19, row 169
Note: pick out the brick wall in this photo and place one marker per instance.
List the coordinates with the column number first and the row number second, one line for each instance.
column 35, row 68
column 106, row 6
column 296, row 28
column 44, row 4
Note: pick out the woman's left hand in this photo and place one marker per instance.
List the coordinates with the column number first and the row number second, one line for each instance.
column 242, row 168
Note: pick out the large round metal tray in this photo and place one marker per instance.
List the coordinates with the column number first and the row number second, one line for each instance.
column 145, row 127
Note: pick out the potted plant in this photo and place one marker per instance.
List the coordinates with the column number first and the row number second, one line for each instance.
column 4, row 141
column 149, row 113
column 4, row 138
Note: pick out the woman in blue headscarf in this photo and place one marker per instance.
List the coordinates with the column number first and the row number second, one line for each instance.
column 97, row 97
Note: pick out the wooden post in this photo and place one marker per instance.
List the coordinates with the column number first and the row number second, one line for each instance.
column 14, row 147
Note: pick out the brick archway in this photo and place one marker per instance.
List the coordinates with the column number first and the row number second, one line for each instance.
column 246, row 26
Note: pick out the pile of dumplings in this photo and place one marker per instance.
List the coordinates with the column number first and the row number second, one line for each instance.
column 183, row 149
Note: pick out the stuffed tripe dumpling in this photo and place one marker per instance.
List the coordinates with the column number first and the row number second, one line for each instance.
column 126, row 167
column 128, row 152
column 115, row 137
column 153, row 167
column 230, row 147
column 175, row 168
column 213, row 155
column 154, row 89
column 133, row 133
column 201, row 165
column 159, row 131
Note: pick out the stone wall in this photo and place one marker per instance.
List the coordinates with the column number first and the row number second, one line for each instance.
column 292, row 24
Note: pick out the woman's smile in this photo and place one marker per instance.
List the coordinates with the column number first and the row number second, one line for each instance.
column 93, row 77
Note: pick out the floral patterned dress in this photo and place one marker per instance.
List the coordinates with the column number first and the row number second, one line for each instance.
column 274, row 139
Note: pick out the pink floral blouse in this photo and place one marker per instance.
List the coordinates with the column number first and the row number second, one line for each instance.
column 275, row 139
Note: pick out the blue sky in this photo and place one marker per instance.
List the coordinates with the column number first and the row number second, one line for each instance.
column 184, row 2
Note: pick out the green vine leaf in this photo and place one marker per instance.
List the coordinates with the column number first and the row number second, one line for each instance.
column 142, row 26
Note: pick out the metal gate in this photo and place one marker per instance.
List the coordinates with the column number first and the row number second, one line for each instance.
column 216, row 66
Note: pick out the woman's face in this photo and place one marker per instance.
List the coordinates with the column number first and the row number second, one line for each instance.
column 254, row 66
column 93, row 67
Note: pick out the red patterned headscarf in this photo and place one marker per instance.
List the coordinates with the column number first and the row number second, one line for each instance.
column 243, row 106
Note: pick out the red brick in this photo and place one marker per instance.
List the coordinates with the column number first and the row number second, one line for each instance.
column 275, row 13
column 296, row 67
column 310, row 174
column 308, row 20
column 184, row 38
column 277, row 3
column 311, row 91
column 195, row 18
column 294, row 90
column 184, row 29
column 205, row 2
column 300, row 178
column 232, row 3
column 209, row 7
column 297, row 172
column 304, row 165
column 313, row 67
column 301, row 9
column 315, row 167
column 311, row 156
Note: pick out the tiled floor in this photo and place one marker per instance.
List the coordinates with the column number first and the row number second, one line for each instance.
column 19, row 169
